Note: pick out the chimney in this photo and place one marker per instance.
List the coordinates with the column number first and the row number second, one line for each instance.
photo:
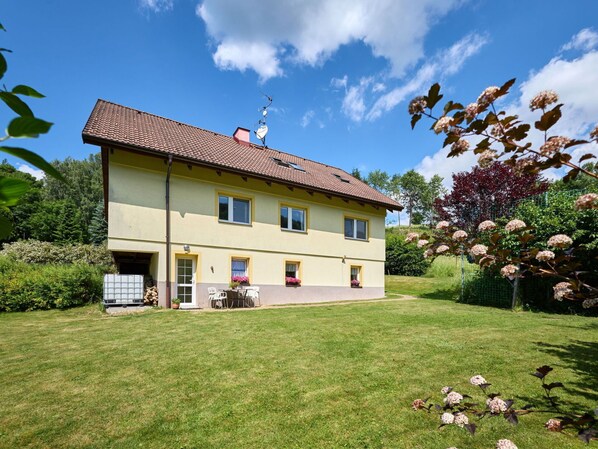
column 241, row 136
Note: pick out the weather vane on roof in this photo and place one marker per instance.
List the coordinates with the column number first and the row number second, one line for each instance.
column 262, row 130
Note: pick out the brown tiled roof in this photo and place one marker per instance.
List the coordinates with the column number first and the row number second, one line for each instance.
column 111, row 124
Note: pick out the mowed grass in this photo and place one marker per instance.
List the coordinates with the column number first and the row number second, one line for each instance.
column 332, row 376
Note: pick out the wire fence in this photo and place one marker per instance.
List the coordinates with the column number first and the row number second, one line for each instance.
column 484, row 288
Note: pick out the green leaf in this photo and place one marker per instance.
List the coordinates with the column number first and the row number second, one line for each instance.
column 33, row 159
column 5, row 227
column 16, row 104
column 416, row 118
column 22, row 89
column 28, row 127
column 3, row 65
column 433, row 95
column 11, row 189
column 549, row 118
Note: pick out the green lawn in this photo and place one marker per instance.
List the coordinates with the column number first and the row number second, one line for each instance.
column 334, row 376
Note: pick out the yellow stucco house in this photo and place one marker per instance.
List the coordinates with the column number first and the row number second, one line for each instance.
column 194, row 208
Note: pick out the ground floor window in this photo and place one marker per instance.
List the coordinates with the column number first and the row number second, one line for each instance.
column 239, row 270
column 355, row 276
column 292, row 274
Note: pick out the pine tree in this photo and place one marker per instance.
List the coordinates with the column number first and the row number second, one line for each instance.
column 98, row 228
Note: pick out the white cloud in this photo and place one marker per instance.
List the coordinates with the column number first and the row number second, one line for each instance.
column 354, row 103
column 575, row 81
column 585, row 40
column 307, row 117
column 378, row 87
column 310, row 31
column 444, row 63
column 339, row 83
column 37, row 174
column 157, row 5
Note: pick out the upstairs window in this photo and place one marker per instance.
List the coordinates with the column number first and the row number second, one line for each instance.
column 234, row 210
column 292, row 218
column 356, row 229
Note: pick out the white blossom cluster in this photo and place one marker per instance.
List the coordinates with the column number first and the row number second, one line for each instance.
column 453, row 398
column 590, row 302
column 478, row 250
column 515, row 225
column 411, row 237
column 554, row 144
column 471, row 111
column 486, row 158
column 560, row 241
column 562, row 290
column 543, row 99
column 461, row 419
column 496, row 405
column 587, row 201
column 447, row 418
column 442, row 249
column 488, row 96
column 417, row 105
column 443, row 124
column 446, row 390
column 505, row 444
column 459, row 235
column 477, row 380
column 422, row 243
column 442, row 225
column 460, row 146
column 487, row 225
column 508, row 270
column 545, row 256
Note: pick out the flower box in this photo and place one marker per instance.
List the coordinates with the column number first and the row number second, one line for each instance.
column 355, row 284
column 292, row 282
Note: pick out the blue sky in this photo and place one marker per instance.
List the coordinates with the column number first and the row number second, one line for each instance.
column 341, row 72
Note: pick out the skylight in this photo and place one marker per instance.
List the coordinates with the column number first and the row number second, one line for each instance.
column 339, row 177
column 287, row 164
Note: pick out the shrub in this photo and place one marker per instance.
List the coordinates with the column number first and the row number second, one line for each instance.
column 36, row 252
column 25, row 287
column 403, row 258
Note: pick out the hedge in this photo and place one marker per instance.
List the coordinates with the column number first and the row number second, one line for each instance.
column 25, row 287
column 34, row 251
column 404, row 259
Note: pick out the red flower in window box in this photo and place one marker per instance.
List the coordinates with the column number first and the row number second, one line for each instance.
column 292, row 282
column 355, row 283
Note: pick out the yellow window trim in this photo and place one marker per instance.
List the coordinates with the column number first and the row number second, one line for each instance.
column 282, row 204
column 356, row 217
column 240, row 257
column 360, row 274
column 299, row 269
column 241, row 196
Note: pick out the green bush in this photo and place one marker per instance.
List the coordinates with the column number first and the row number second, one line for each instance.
column 487, row 289
column 34, row 251
column 404, row 259
column 25, row 287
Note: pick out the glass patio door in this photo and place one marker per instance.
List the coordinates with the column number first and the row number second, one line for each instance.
column 185, row 281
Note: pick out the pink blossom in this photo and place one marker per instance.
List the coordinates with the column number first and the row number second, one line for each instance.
column 442, row 249
column 515, row 225
column 443, row 124
column 562, row 290
column 560, row 241
column 486, row 158
column 478, row 250
column 545, row 256
column 505, row 444
column 442, row 225
column 486, row 226
column 587, row 201
column 496, row 405
column 459, row 235
column 422, row 243
column 417, row 105
column 411, row 237
column 554, row 144
column 488, row 96
column 509, row 271
column 543, row 99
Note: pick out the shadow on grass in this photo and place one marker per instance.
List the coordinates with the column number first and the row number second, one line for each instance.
column 581, row 357
column 445, row 294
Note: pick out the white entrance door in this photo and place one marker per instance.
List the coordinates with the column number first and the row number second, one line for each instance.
column 185, row 281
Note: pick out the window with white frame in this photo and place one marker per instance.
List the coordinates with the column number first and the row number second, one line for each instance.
column 293, row 218
column 356, row 229
column 234, row 210
column 291, row 273
column 239, row 269
column 355, row 276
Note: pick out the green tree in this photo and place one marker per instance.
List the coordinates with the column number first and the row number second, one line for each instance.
column 83, row 187
column 413, row 192
column 58, row 221
column 356, row 174
column 98, row 229
column 378, row 179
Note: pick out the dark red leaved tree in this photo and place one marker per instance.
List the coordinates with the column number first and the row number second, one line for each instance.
column 486, row 194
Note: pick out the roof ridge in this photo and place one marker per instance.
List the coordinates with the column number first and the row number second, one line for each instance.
column 217, row 133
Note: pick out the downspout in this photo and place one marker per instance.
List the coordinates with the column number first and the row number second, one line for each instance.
column 168, row 289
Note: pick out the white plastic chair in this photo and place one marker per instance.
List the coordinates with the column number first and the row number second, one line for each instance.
column 253, row 294
column 216, row 297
